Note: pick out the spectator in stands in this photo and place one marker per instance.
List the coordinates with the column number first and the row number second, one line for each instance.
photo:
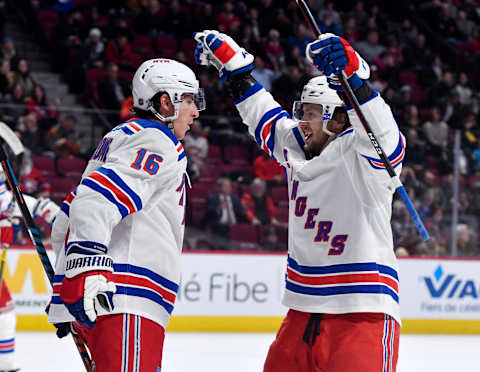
column 196, row 147
column 467, row 243
column 350, row 32
column 93, row 50
column 263, row 74
column 9, row 52
column 258, row 206
column 62, row 138
column 47, row 115
column 13, row 113
column 126, row 109
column 119, row 51
column 30, row 134
column 24, row 77
column 328, row 10
column 463, row 89
column 327, row 24
column 177, row 19
column 416, row 149
column 274, row 51
column 223, row 208
column 7, row 78
column 268, row 169
column 436, row 133
column 359, row 14
column 31, row 180
column 112, row 89
column 443, row 89
column 376, row 82
column 227, row 19
column 370, row 48
column 301, row 38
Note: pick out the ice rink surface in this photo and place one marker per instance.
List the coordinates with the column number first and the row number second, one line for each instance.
column 233, row 352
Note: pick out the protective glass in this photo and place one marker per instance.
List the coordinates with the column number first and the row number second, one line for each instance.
column 198, row 99
column 306, row 112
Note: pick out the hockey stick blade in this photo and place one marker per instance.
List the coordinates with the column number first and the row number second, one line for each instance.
column 11, row 139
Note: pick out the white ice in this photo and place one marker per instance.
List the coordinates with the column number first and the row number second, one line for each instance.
column 233, row 352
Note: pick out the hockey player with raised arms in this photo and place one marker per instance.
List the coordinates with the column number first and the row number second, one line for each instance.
column 342, row 275
column 119, row 237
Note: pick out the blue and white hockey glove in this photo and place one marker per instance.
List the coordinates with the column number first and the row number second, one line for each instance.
column 222, row 52
column 86, row 283
column 331, row 55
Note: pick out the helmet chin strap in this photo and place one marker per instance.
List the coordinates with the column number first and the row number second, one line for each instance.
column 325, row 129
column 167, row 120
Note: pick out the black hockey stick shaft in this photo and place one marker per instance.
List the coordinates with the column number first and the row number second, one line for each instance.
column 373, row 139
column 37, row 242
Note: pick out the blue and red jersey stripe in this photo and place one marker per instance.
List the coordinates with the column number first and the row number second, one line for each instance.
column 108, row 183
column 368, row 277
column 395, row 158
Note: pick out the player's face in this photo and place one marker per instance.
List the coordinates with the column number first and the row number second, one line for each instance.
column 186, row 113
column 315, row 137
column 311, row 126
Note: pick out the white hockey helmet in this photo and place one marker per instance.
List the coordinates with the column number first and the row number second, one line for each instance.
column 165, row 75
column 318, row 92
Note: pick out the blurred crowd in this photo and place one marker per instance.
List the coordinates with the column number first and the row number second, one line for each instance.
column 424, row 58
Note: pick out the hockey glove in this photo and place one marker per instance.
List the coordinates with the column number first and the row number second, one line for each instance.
column 222, row 52
column 331, row 55
column 86, row 284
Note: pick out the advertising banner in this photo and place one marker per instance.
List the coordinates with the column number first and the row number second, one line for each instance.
column 242, row 292
column 439, row 289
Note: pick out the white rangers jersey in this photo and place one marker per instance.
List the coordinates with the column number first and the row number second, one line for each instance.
column 340, row 246
column 131, row 202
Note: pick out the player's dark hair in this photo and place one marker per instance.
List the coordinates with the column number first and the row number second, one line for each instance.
column 145, row 114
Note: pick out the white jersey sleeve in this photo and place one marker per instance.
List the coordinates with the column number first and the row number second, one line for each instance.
column 271, row 126
column 382, row 123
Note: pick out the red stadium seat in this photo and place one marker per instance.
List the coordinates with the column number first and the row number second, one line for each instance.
column 166, row 46
column 282, row 214
column 243, row 232
column 47, row 19
column 72, row 167
column 279, row 193
column 45, row 165
column 92, row 77
column 200, row 191
column 237, row 155
column 408, row 78
column 188, row 47
column 215, row 154
column 143, row 45
column 61, row 186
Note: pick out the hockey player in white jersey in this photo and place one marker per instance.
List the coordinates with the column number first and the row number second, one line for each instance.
column 119, row 239
column 10, row 216
column 342, row 281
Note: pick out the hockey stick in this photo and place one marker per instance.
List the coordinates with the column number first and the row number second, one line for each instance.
column 3, row 258
column 11, row 139
column 37, row 242
column 356, row 105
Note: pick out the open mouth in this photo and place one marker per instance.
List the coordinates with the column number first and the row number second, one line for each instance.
column 307, row 133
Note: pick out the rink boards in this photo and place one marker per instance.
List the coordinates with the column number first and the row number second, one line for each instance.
column 241, row 292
